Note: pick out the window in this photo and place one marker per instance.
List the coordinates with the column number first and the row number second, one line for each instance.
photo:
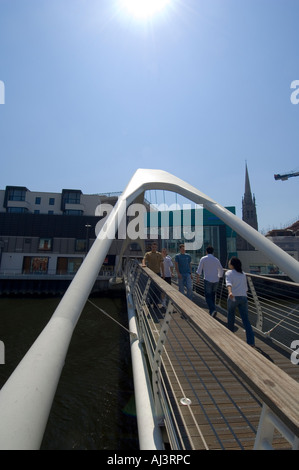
column 135, row 247
column 51, row 201
column 36, row 211
column 45, row 244
column 38, row 200
column 50, row 212
column 231, row 244
column 18, row 210
column 80, row 245
column 35, row 265
column 73, row 212
column 16, row 194
column 72, row 197
column 68, row 265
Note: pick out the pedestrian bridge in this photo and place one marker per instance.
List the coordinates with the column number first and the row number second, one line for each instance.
column 209, row 389
column 197, row 385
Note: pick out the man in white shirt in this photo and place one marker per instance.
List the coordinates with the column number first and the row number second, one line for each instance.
column 213, row 270
column 168, row 271
column 168, row 266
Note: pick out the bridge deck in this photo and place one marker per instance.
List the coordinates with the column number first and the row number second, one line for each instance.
column 225, row 410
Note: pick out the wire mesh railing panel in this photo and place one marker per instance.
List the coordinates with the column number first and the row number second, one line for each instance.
column 275, row 311
column 279, row 302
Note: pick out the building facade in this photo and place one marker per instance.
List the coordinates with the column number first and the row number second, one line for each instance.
column 211, row 231
column 46, row 236
column 20, row 200
column 287, row 239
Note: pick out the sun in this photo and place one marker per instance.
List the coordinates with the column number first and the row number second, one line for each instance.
column 144, row 8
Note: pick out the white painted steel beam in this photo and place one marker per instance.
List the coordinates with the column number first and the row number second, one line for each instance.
column 26, row 398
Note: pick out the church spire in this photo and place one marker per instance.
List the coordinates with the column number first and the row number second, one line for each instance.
column 248, row 204
column 248, row 212
column 247, row 194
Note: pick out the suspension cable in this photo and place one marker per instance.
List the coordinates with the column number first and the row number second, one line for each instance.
column 111, row 318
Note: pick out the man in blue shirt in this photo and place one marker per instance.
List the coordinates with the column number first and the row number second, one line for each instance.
column 183, row 269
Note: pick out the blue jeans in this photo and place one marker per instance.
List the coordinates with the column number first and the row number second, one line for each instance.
column 242, row 303
column 185, row 280
column 210, row 294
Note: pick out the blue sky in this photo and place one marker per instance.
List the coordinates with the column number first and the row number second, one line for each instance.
column 92, row 93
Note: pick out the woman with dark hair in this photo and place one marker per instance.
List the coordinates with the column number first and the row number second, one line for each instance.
column 236, row 284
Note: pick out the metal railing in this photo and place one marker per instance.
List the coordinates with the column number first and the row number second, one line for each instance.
column 174, row 348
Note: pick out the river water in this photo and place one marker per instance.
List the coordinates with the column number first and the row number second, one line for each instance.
column 94, row 406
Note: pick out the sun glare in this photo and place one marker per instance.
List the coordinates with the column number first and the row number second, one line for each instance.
column 144, row 8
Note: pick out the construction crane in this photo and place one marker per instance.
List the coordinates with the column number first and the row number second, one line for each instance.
column 286, row 176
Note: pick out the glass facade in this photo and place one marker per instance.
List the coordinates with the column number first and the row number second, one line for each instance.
column 16, row 194
column 176, row 227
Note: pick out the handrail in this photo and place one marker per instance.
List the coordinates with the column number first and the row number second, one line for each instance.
column 274, row 387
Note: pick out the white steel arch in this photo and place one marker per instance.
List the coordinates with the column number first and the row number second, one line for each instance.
column 157, row 179
column 26, row 398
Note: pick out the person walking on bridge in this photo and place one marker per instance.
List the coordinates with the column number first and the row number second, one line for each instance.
column 154, row 260
column 184, row 271
column 168, row 265
column 213, row 271
column 168, row 271
column 236, row 284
